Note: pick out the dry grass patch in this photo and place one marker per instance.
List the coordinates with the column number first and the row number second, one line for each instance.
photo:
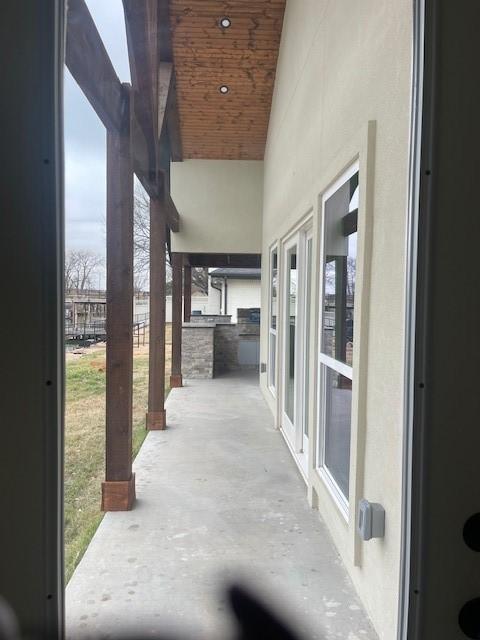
column 85, row 441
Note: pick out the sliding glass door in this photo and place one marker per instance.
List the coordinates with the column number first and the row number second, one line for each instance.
column 297, row 261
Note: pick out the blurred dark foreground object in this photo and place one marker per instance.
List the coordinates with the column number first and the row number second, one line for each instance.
column 8, row 622
column 253, row 620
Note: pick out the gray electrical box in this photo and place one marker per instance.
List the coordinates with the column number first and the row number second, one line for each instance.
column 371, row 520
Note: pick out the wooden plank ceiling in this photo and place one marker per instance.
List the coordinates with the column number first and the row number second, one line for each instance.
column 242, row 57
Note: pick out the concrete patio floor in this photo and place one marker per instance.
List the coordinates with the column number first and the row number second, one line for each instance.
column 219, row 500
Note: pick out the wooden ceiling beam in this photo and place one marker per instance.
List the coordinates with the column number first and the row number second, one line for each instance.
column 165, row 75
column 145, row 171
column 142, row 57
column 253, row 260
column 173, row 124
column 152, row 77
column 164, row 36
column 173, row 217
column 92, row 69
column 165, row 55
column 88, row 62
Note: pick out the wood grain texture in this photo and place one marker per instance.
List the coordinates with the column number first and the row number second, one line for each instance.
column 176, row 380
column 187, row 293
column 156, row 364
column 118, row 496
column 165, row 55
column 119, row 365
column 156, row 420
column 243, row 57
column 142, row 55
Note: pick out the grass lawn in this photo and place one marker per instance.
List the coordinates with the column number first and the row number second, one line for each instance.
column 85, row 441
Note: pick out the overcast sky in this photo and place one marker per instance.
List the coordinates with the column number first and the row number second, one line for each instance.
column 85, row 137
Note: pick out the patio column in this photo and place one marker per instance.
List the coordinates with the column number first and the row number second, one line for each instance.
column 187, row 293
column 176, row 377
column 118, row 490
column 156, row 415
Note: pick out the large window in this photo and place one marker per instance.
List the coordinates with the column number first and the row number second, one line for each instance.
column 339, row 257
column 272, row 329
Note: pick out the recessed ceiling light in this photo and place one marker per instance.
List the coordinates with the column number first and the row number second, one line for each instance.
column 223, row 89
column 225, row 22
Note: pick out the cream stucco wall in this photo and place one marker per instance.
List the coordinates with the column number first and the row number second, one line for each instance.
column 220, row 205
column 242, row 294
column 342, row 93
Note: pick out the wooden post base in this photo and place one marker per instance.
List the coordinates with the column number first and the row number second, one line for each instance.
column 118, row 495
column 176, row 381
column 156, row 420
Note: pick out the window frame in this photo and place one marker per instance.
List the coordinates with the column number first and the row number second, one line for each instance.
column 288, row 423
column 272, row 363
column 325, row 361
column 307, row 236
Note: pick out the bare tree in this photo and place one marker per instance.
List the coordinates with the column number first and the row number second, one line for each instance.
column 200, row 279
column 69, row 273
column 141, row 225
column 351, row 275
column 81, row 269
column 140, row 282
column 141, row 238
column 331, row 276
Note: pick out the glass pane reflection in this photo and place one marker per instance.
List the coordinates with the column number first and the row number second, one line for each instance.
column 273, row 284
column 338, row 412
column 340, row 266
column 308, row 303
column 291, row 326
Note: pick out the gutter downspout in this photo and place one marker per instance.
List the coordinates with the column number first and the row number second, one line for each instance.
column 219, row 290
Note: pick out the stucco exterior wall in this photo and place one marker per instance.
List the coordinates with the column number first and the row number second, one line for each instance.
column 242, row 294
column 220, row 205
column 342, row 93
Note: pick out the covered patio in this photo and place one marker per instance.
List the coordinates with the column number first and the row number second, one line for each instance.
column 214, row 495
column 219, row 499
column 200, row 91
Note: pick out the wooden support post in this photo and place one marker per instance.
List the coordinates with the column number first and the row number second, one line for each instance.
column 118, row 490
column 156, row 415
column 176, row 377
column 187, row 293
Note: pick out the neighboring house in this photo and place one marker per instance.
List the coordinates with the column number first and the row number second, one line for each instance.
column 200, row 302
column 233, row 289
